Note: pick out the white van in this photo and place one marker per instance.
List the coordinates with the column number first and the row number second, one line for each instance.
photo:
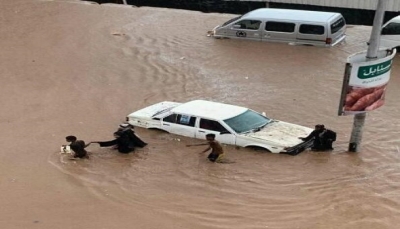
column 282, row 25
column 390, row 35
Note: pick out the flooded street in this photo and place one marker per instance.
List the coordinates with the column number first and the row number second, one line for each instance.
column 69, row 68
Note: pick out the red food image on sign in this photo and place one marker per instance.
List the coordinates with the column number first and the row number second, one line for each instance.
column 364, row 99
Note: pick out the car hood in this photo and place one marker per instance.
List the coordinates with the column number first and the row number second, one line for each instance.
column 281, row 133
column 153, row 110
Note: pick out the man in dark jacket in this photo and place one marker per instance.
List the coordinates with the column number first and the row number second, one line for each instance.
column 323, row 138
column 120, row 142
column 125, row 141
column 135, row 141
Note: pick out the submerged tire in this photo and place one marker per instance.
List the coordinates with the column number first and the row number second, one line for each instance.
column 158, row 130
column 258, row 148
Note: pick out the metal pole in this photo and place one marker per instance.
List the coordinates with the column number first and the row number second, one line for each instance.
column 124, row 1
column 372, row 53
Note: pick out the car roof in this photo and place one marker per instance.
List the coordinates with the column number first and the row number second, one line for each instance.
column 395, row 19
column 209, row 109
column 294, row 15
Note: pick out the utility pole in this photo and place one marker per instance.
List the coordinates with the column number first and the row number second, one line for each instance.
column 372, row 53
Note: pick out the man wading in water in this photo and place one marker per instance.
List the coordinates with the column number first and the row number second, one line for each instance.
column 217, row 152
column 323, row 138
column 125, row 141
column 78, row 146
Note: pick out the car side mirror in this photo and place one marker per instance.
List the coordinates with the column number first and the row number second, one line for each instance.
column 224, row 132
column 236, row 26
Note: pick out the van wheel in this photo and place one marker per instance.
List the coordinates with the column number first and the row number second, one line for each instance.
column 159, row 130
column 258, row 149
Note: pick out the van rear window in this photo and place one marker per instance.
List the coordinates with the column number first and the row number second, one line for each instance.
column 391, row 29
column 312, row 29
column 283, row 27
column 337, row 25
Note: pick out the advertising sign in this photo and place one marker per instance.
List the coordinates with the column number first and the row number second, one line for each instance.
column 365, row 82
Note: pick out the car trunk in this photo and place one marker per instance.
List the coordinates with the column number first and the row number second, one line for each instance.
column 153, row 110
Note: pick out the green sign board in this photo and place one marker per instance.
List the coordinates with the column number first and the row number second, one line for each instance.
column 371, row 71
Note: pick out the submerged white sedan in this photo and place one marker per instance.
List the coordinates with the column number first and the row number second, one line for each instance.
column 233, row 125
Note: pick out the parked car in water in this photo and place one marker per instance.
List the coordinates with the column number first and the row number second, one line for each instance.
column 390, row 34
column 284, row 25
column 233, row 125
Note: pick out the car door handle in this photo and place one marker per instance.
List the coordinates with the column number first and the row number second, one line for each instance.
column 165, row 124
column 201, row 131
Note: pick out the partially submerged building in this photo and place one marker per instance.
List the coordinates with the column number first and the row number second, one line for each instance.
column 359, row 12
column 355, row 11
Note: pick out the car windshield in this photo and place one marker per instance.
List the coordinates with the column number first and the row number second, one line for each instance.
column 247, row 121
column 231, row 20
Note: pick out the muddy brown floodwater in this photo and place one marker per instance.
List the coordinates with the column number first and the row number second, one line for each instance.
column 69, row 68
